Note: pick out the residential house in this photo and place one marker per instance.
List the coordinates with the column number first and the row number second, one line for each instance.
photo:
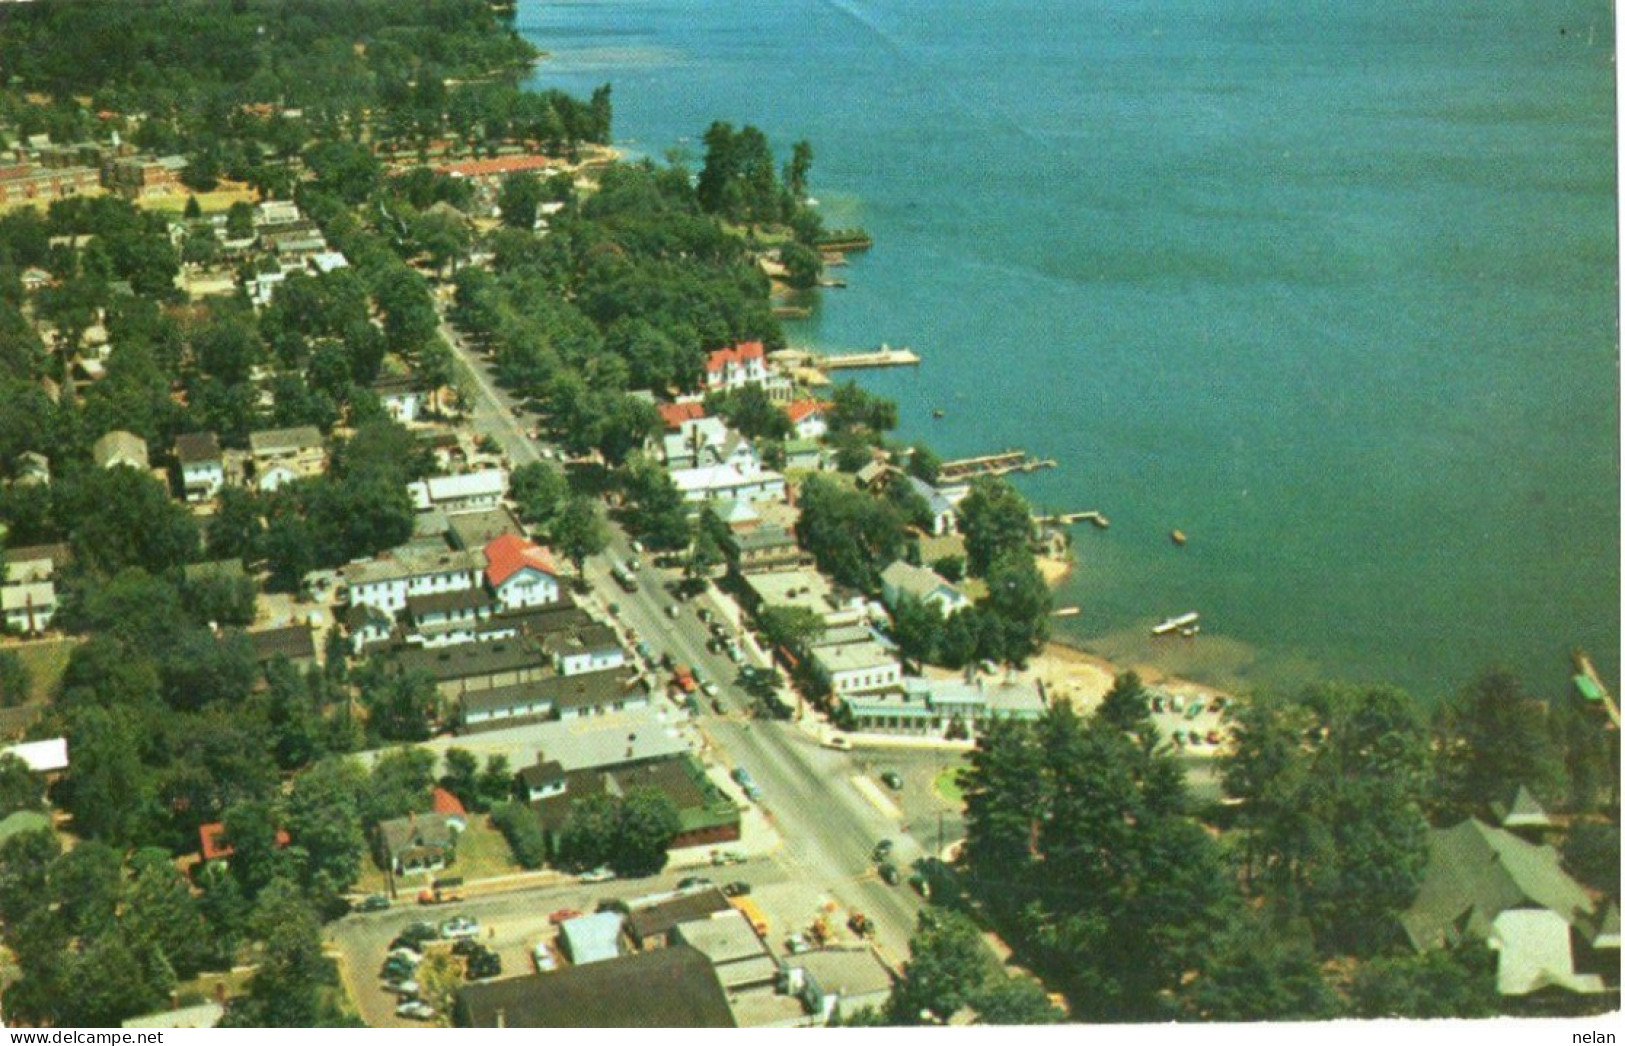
column 594, row 693
column 283, row 455
column 650, row 920
column 120, row 448
column 734, row 368
column 294, row 642
column 28, row 607
column 588, row 648
column 28, row 563
column 42, row 757
column 942, row 509
column 834, row 983
column 445, row 618
column 400, row 395
column 924, row 584
column 810, row 417
column 503, row 706
column 542, row 780
column 941, row 707
column 1486, row 884
column 808, row 589
column 669, row 988
column 481, row 489
column 479, row 527
column 387, row 582
column 675, row 414
column 203, row 470
column 807, row 455
column 367, row 626
column 748, row 482
column 591, row 938
column 521, row 572
column 858, row 668
column 764, row 549
column 271, row 214
column 467, row 668
column 418, row 842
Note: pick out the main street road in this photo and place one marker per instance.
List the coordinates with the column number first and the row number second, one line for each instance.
column 829, row 826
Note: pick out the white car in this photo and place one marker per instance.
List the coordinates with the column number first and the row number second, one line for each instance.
column 405, row 989
column 459, row 927
column 416, row 1010
column 597, row 875
column 542, row 955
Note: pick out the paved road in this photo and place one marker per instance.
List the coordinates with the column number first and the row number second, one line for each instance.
column 830, row 827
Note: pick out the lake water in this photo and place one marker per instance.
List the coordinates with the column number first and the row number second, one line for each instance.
column 1330, row 289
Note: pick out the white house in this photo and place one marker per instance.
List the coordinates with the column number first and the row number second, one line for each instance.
column 859, row 668
column 688, row 446
column 589, row 648
column 484, row 488
column 203, row 470
column 741, row 483
column 744, row 364
column 520, row 572
column 926, row 585
column 400, row 396
column 283, row 455
column 387, row 582
column 28, row 607
column 942, row 510
column 809, row 417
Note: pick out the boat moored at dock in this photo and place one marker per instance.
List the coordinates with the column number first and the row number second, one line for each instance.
column 1175, row 624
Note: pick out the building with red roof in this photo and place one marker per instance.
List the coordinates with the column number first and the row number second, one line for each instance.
column 496, row 168
column 520, row 572
column 744, row 364
column 675, row 414
column 809, row 417
column 213, row 845
column 448, row 805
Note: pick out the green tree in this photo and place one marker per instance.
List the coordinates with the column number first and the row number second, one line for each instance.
column 295, row 985
column 16, row 683
column 996, row 520
column 1126, row 705
column 946, row 968
column 160, row 914
column 323, row 821
column 401, row 705
column 580, row 532
column 1490, row 740
column 1012, row 1001
column 655, row 509
column 520, row 199
column 20, row 787
column 1258, row 974
column 590, row 833
column 1440, row 983
column 648, row 822
column 519, row 825
column 793, row 628
column 539, row 490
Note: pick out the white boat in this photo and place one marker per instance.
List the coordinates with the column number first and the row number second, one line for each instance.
column 1174, row 624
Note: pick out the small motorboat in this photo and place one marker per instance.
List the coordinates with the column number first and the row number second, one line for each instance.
column 1178, row 537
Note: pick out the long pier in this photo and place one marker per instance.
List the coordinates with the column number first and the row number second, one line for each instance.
column 1000, row 464
column 1067, row 519
column 885, row 356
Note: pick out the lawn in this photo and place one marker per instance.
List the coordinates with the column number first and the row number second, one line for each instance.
column 949, row 785
column 45, row 661
column 482, row 853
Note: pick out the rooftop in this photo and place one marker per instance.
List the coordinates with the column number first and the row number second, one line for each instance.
column 468, row 660
column 284, row 441
column 508, row 554
column 197, row 448
column 410, row 561
column 657, row 917
column 467, row 599
column 592, row 938
column 666, row 988
column 851, row 657
column 480, row 527
column 293, row 642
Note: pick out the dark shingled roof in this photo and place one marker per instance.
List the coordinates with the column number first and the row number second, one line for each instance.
column 447, row 602
column 196, row 448
column 472, row 660
column 670, row 988
column 655, row 920
column 292, row 642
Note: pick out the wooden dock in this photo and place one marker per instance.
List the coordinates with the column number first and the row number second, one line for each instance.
column 1067, row 519
column 1000, row 464
column 885, row 356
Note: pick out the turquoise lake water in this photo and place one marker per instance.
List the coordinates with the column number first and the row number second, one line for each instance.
column 1333, row 291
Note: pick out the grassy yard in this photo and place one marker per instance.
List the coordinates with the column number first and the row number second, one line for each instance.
column 948, row 785
column 45, row 661
column 482, row 853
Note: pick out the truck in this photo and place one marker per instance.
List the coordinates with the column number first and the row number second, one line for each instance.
column 753, row 915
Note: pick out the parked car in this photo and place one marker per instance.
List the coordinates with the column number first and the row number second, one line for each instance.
column 727, row 857
column 737, row 888
column 883, row 849
column 797, row 943
column 483, row 965
column 893, row 780
column 1156, row 704
column 416, row 1010
column 459, row 926
column 710, row 689
column 1214, row 737
column 398, row 970
column 1194, row 709
column 563, row 915
column 694, row 882
column 411, row 955
column 405, row 989
column 376, row 902
column 601, row 874
column 889, row 873
column 415, row 935
column 542, row 956
column 673, row 610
